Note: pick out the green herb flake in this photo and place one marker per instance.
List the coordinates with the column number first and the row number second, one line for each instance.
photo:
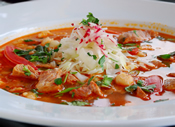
column 102, row 42
column 160, row 38
column 36, row 92
column 26, row 71
column 131, row 88
column 16, row 93
column 106, row 82
column 135, row 33
column 77, row 39
column 73, row 94
column 113, row 60
column 28, row 40
column 65, row 78
column 117, row 66
column 67, row 90
column 91, row 18
column 147, row 42
column 130, row 44
column 76, row 103
column 94, row 56
column 164, row 56
column 62, row 58
column 101, row 62
column 47, row 45
column 90, row 80
column 73, row 73
column 119, row 45
column 170, row 39
column 58, row 47
column 58, row 81
column 160, row 100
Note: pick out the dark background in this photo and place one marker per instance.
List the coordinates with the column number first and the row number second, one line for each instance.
column 9, row 123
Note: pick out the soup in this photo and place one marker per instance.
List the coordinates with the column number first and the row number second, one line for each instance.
column 89, row 65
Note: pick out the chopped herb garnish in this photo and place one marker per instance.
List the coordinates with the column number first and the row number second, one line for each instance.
column 147, row 42
column 57, row 49
column 62, row 58
column 16, row 93
column 160, row 38
column 106, row 82
column 22, row 52
column 79, row 82
column 76, row 103
column 77, row 39
column 47, row 45
column 94, row 56
column 117, row 66
column 161, row 100
column 130, row 44
column 101, row 62
column 58, row 81
column 113, row 60
column 36, row 92
column 65, row 78
column 170, row 39
column 28, row 40
column 90, row 80
column 165, row 56
column 140, row 83
column 98, row 83
column 135, row 33
column 91, row 18
column 67, row 90
column 26, row 71
column 113, row 104
column 73, row 94
column 102, row 42
column 73, row 73
column 119, row 45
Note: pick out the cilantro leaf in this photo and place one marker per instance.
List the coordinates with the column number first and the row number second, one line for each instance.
column 74, row 72
column 164, row 56
column 90, row 80
column 117, row 66
column 76, row 103
column 101, row 62
column 94, row 56
column 36, row 92
column 119, row 45
column 26, row 71
column 135, row 33
column 161, row 100
column 58, row 81
column 28, row 40
column 106, row 82
column 91, row 18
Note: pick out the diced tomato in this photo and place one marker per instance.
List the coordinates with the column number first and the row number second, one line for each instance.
column 155, row 79
column 11, row 56
column 133, row 51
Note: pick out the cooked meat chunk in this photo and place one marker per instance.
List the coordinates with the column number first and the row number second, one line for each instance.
column 137, row 36
column 171, row 75
column 158, row 64
column 169, row 84
column 141, row 94
column 71, row 79
column 46, row 81
column 86, row 90
column 20, row 71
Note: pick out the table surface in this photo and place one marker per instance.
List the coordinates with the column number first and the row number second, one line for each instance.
column 9, row 123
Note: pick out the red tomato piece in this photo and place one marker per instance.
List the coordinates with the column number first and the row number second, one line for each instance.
column 11, row 56
column 133, row 51
column 155, row 79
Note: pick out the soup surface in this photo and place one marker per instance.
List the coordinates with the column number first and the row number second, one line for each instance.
column 90, row 65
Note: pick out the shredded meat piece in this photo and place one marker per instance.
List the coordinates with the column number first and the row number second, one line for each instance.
column 71, row 79
column 169, row 84
column 137, row 36
column 171, row 75
column 46, row 81
column 87, row 90
column 47, row 65
column 18, row 71
column 141, row 94
column 158, row 64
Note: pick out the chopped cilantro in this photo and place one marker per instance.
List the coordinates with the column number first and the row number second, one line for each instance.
column 91, row 18
column 26, row 71
column 94, row 56
column 90, row 80
column 160, row 38
column 58, row 81
column 117, row 66
column 57, row 49
column 73, row 73
column 161, row 100
column 101, row 62
column 135, row 33
column 113, row 60
column 36, row 92
column 130, row 44
column 62, row 58
column 28, row 40
column 164, row 56
column 119, row 45
column 76, row 103
column 147, row 42
column 73, row 94
column 106, row 82
column 102, row 42
column 65, row 78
